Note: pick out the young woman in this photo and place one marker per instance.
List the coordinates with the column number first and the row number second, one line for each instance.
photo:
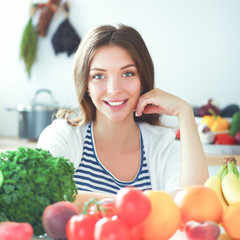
column 118, row 139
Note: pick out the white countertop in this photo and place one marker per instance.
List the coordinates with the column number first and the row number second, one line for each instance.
column 12, row 143
column 215, row 149
column 215, row 154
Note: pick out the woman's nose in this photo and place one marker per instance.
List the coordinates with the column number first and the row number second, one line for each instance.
column 114, row 85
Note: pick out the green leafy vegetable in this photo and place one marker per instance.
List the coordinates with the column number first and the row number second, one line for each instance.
column 235, row 124
column 3, row 217
column 33, row 179
column 28, row 49
column 1, row 178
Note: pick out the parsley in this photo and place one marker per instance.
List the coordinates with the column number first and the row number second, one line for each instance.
column 32, row 180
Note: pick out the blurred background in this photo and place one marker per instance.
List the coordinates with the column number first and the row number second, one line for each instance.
column 195, row 46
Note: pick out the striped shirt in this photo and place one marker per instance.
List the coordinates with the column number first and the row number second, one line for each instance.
column 92, row 176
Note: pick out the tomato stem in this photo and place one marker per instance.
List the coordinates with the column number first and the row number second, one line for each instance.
column 88, row 203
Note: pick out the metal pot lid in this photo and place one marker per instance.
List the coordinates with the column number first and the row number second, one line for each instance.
column 35, row 105
column 31, row 107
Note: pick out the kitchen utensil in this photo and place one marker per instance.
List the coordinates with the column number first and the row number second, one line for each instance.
column 35, row 116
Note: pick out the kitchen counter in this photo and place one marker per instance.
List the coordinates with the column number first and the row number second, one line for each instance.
column 11, row 143
column 218, row 149
column 214, row 161
column 182, row 236
column 177, row 236
column 215, row 149
column 215, row 153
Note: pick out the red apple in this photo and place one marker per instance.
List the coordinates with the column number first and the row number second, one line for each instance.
column 198, row 231
column 55, row 218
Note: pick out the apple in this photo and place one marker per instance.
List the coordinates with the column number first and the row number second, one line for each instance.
column 55, row 217
column 198, row 231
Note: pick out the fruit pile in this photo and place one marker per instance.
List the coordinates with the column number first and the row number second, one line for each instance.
column 196, row 211
column 226, row 183
column 218, row 126
column 131, row 215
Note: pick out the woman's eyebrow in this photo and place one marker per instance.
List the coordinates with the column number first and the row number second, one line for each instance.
column 129, row 65
column 98, row 69
column 104, row 70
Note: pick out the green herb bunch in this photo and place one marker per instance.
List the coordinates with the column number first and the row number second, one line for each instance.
column 32, row 180
column 28, row 48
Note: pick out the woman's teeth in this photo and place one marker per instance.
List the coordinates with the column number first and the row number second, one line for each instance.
column 115, row 103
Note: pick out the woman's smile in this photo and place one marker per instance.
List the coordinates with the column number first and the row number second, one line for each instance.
column 116, row 104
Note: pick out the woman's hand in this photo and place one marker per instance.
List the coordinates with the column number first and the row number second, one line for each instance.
column 194, row 168
column 159, row 101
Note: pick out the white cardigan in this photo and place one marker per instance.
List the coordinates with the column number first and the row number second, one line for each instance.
column 161, row 149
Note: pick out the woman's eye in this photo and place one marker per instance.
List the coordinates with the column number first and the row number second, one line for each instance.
column 98, row 76
column 128, row 74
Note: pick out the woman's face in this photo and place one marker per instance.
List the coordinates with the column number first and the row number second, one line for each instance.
column 114, row 84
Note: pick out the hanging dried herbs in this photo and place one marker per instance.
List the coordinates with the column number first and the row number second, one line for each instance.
column 47, row 11
column 65, row 38
column 28, row 49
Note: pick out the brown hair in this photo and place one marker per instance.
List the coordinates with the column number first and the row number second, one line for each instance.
column 122, row 36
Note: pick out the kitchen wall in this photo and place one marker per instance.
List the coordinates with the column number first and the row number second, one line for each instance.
column 195, row 46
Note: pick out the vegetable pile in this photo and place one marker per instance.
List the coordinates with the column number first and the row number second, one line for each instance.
column 194, row 213
column 218, row 126
column 226, row 183
column 122, row 219
column 32, row 180
column 131, row 215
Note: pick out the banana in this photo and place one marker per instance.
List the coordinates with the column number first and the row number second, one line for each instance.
column 231, row 188
column 225, row 172
column 226, row 183
column 215, row 183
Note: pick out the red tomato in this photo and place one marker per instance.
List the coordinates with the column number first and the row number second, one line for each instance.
column 111, row 228
column 81, row 227
column 106, row 208
column 178, row 134
column 224, row 138
column 136, row 232
column 131, row 205
column 15, row 231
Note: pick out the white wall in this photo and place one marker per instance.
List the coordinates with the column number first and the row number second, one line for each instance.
column 195, row 46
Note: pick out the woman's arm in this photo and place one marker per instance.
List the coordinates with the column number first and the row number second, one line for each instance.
column 84, row 196
column 194, row 169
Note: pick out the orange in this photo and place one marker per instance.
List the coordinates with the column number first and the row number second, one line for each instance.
column 231, row 220
column 164, row 218
column 199, row 203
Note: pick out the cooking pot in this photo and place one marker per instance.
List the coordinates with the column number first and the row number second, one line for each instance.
column 35, row 116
